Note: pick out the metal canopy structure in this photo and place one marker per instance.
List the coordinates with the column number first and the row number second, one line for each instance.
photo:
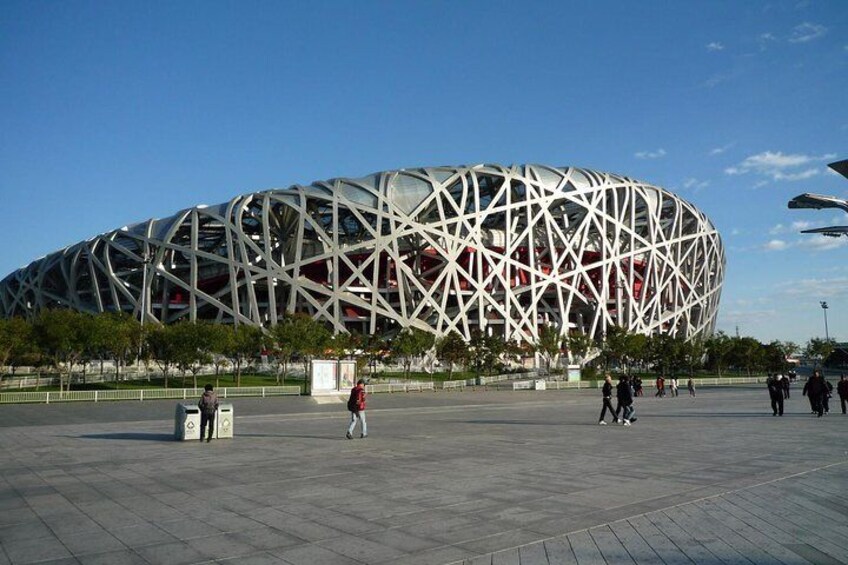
column 820, row 201
column 500, row 248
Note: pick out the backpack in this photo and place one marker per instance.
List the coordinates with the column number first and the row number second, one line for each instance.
column 353, row 401
column 206, row 407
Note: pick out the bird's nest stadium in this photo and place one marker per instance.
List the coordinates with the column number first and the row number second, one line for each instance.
column 504, row 249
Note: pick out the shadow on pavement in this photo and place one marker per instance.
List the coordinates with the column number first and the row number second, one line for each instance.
column 131, row 435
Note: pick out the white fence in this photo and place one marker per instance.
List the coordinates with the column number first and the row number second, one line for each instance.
column 523, row 382
column 400, row 387
column 142, row 394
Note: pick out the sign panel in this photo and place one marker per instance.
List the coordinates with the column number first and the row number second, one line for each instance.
column 323, row 377
column 347, row 375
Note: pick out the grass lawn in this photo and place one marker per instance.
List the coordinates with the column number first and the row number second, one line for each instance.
column 175, row 381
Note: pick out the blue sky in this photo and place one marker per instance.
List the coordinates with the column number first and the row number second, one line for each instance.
column 113, row 112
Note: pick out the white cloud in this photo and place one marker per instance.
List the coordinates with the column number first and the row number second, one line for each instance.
column 807, row 32
column 719, row 78
column 796, row 176
column 760, row 184
column 823, row 243
column 715, row 46
column 776, row 245
column 778, row 166
column 722, row 149
column 802, row 225
column 764, row 39
column 815, row 289
column 778, row 229
column 745, row 316
column 695, row 184
column 650, row 154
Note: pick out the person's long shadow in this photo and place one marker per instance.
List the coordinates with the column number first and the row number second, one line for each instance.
column 298, row 436
column 509, row 422
column 131, row 435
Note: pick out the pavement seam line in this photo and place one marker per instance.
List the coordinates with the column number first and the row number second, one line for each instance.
column 702, row 499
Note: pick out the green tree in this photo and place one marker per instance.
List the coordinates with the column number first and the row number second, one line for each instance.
column 376, row 349
column 453, row 350
column 219, row 343
column 663, row 351
column 485, row 351
column 819, row 349
column 578, row 345
column 15, row 340
column 161, row 348
column 549, row 343
column 614, row 347
column 692, row 353
column 410, row 344
column 246, row 343
column 298, row 335
column 63, row 336
column 635, row 350
column 746, row 353
column 118, row 336
column 719, row 347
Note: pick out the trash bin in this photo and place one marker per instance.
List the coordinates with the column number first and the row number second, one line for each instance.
column 224, row 421
column 187, row 422
column 539, row 384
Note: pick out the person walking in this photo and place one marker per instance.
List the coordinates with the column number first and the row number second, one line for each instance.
column 660, row 387
column 827, row 392
column 842, row 391
column 784, row 380
column 624, row 395
column 674, row 387
column 690, row 384
column 208, row 405
column 637, row 386
column 606, row 393
column 775, row 394
column 815, row 389
column 356, row 406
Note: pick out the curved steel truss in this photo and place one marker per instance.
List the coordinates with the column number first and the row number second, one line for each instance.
column 443, row 248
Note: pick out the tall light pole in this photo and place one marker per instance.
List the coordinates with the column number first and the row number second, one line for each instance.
column 824, row 309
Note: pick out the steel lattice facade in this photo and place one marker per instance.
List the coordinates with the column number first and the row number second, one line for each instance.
column 445, row 248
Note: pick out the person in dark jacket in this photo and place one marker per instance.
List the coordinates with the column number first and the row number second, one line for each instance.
column 208, row 405
column 606, row 393
column 775, row 390
column 356, row 406
column 842, row 390
column 826, row 394
column 785, row 382
column 815, row 389
column 624, row 395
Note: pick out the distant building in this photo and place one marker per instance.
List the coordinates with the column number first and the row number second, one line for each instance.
column 503, row 249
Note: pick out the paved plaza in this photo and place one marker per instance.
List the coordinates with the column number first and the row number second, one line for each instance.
column 450, row 477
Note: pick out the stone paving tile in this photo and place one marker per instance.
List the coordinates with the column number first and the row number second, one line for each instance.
column 123, row 557
column 175, row 553
column 91, row 542
column 35, row 550
column 311, row 554
column 443, row 478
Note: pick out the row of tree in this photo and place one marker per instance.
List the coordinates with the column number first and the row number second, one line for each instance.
column 62, row 339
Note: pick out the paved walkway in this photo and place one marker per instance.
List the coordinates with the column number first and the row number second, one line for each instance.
column 478, row 477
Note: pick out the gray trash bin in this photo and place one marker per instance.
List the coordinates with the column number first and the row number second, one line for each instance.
column 224, row 421
column 187, row 422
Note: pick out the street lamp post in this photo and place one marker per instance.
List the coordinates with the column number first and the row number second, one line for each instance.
column 824, row 309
